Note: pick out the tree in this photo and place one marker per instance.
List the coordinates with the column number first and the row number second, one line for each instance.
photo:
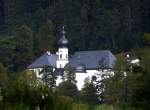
column 45, row 37
column 69, row 75
column 114, row 92
column 147, row 38
column 111, row 86
column 115, row 86
column 68, row 86
column 27, row 78
column 88, row 93
column 100, row 78
column 26, row 88
column 63, row 103
column 139, row 80
column 23, row 47
column 7, row 47
column 3, row 80
column 28, row 92
column 48, row 77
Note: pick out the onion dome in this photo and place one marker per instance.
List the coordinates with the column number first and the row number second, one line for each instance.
column 63, row 41
column 80, row 68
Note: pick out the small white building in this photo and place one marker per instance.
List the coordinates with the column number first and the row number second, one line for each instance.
column 85, row 63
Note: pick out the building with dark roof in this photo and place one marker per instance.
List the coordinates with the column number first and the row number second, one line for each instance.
column 85, row 63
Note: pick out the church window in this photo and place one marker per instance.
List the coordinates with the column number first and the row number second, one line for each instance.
column 60, row 65
column 66, row 56
column 60, row 56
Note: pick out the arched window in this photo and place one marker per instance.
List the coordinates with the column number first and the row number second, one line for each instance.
column 60, row 56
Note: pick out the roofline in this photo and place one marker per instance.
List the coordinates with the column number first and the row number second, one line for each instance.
column 97, row 68
column 64, row 68
column 92, row 51
column 39, row 67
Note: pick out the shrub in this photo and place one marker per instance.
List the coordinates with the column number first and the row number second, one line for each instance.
column 63, row 103
column 17, row 107
column 110, row 107
column 76, row 106
column 105, row 107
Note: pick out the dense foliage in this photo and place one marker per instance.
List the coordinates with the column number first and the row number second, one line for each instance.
column 90, row 25
column 30, row 27
column 108, row 24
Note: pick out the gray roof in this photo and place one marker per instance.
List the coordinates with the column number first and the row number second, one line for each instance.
column 91, row 59
column 58, row 71
column 45, row 59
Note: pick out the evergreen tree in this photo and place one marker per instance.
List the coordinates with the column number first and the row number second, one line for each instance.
column 88, row 93
column 146, row 39
column 46, row 37
column 7, row 47
column 3, row 78
column 23, row 47
column 68, row 86
column 69, row 75
column 115, row 86
column 100, row 78
column 48, row 77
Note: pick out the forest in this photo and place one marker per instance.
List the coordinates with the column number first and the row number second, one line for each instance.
column 28, row 28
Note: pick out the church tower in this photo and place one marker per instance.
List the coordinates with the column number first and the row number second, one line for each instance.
column 62, row 50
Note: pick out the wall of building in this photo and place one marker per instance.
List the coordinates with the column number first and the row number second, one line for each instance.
column 61, row 63
column 80, row 77
column 63, row 57
column 63, row 53
column 37, row 72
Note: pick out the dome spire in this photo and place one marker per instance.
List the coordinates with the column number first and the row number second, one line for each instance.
column 63, row 41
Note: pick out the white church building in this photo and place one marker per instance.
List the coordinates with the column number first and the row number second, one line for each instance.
column 85, row 63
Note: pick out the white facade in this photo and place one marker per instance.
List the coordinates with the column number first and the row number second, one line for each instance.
column 80, row 77
column 37, row 72
column 62, row 57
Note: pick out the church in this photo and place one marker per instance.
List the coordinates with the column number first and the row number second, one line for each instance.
column 86, row 64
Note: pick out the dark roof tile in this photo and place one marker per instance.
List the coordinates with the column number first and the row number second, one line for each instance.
column 45, row 59
column 91, row 59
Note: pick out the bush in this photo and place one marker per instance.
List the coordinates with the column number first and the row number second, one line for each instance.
column 110, row 107
column 17, row 107
column 76, row 106
column 63, row 103
column 105, row 107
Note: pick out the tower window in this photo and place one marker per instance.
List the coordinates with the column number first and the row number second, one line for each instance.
column 60, row 65
column 60, row 56
column 66, row 56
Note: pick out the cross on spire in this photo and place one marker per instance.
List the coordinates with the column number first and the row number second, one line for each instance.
column 63, row 30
